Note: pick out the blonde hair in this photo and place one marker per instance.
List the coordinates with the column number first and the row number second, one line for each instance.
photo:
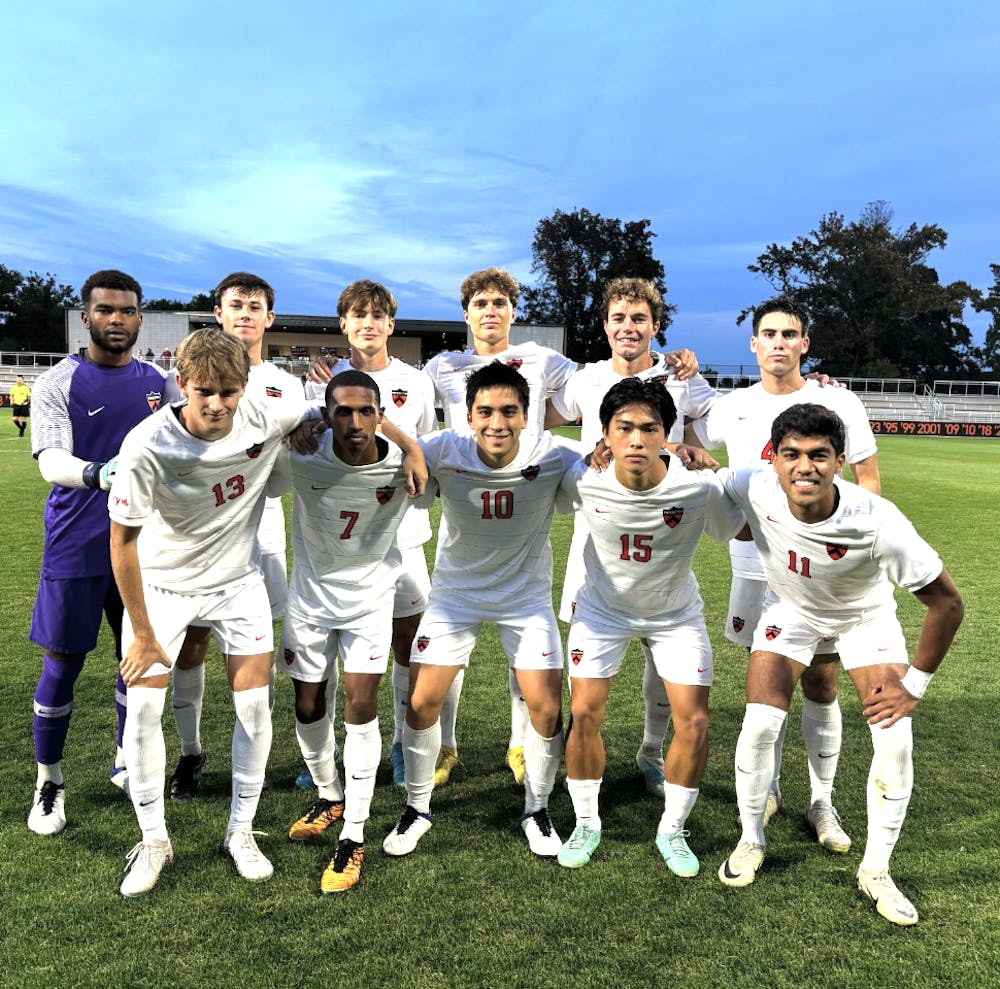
column 211, row 356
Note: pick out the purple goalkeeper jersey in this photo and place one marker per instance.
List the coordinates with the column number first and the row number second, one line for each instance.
column 87, row 410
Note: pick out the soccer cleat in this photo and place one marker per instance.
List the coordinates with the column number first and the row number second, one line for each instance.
column 890, row 903
column 541, row 835
column 652, row 773
column 409, row 829
column 317, row 819
column 344, row 870
column 119, row 778
column 515, row 763
column 676, row 852
column 773, row 805
column 250, row 861
column 48, row 809
column 186, row 781
column 144, row 864
column 825, row 821
column 447, row 760
column 398, row 766
column 304, row 781
column 579, row 847
column 740, row 869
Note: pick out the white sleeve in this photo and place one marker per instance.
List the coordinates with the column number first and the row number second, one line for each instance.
column 564, row 399
column 58, row 466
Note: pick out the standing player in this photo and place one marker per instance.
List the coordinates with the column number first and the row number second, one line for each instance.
column 20, row 404
column 742, row 422
column 84, row 407
column 645, row 517
column 244, row 308
column 832, row 552
column 494, row 564
column 349, row 502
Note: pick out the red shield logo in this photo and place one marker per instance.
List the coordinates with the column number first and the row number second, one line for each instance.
column 384, row 495
column 515, row 363
column 423, row 641
column 771, row 632
column 530, row 473
column 271, row 392
column 255, row 451
column 576, row 655
column 673, row 516
column 738, row 624
column 399, row 397
column 153, row 400
column 836, row 552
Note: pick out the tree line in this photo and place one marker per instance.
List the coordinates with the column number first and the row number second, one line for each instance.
column 879, row 308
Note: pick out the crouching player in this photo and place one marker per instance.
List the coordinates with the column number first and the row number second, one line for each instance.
column 831, row 552
column 350, row 498
column 645, row 517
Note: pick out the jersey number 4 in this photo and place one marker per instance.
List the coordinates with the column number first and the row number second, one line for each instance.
column 228, row 490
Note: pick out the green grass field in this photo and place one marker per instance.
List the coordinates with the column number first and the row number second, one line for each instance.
column 472, row 907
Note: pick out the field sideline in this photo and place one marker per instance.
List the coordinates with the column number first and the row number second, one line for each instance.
column 473, row 907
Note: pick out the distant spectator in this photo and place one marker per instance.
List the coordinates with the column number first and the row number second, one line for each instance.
column 20, row 401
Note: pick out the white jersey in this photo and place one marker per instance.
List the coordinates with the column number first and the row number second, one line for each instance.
column 546, row 372
column 199, row 502
column 637, row 561
column 494, row 557
column 582, row 396
column 344, row 526
column 837, row 570
column 741, row 421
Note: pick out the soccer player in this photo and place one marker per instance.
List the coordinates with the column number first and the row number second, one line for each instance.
column 644, row 517
column 633, row 308
column 244, row 308
column 742, row 422
column 84, row 407
column 367, row 312
column 349, row 502
column 20, row 404
column 832, row 551
column 494, row 564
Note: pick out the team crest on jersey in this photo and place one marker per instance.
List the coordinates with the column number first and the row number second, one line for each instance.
column 153, row 399
column 255, row 451
column 836, row 552
column 660, row 379
column 771, row 632
column 530, row 473
column 399, row 397
column 738, row 623
column 673, row 516
column 384, row 495
column 515, row 363
column 423, row 641
column 272, row 392
column 575, row 656
column 289, row 657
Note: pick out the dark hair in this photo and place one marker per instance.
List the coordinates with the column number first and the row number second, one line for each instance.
column 496, row 374
column 783, row 304
column 634, row 391
column 352, row 379
column 808, row 419
column 110, row 278
column 364, row 293
column 246, row 283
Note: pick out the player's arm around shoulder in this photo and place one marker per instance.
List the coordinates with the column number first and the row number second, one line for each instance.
column 724, row 518
column 866, row 474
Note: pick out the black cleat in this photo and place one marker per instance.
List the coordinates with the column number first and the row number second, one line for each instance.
column 186, row 781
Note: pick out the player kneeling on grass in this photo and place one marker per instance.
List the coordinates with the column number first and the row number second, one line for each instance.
column 645, row 517
column 350, row 498
column 831, row 552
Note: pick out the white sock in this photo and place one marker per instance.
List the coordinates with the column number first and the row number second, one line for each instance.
column 656, row 710
column 822, row 728
column 45, row 772
column 400, row 696
column 420, row 752
column 890, row 783
column 779, row 745
column 449, row 711
column 146, row 758
column 677, row 804
column 362, row 751
column 188, row 696
column 519, row 718
column 541, row 761
column 251, row 747
column 316, row 744
column 585, row 795
column 755, row 747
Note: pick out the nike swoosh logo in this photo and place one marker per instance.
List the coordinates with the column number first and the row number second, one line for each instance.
column 93, row 412
column 146, row 803
column 373, row 659
column 885, row 796
column 602, row 511
column 353, row 777
column 247, row 796
column 745, row 772
column 729, row 872
column 828, row 755
column 769, row 519
column 185, row 473
column 702, row 669
column 549, row 653
column 416, row 600
column 258, row 638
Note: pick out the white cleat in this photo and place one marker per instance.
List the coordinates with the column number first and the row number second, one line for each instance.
column 251, row 863
column 409, row 829
column 889, row 902
column 48, row 809
column 541, row 835
column 740, row 869
column 145, row 863
column 825, row 821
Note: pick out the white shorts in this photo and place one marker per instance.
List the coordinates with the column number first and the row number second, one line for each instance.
column 747, row 600
column 681, row 653
column 272, row 560
column 413, row 584
column 310, row 651
column 530, row 640
column 238, row 614
column 871, row 640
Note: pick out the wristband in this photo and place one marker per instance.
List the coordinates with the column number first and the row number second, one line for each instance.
column 915, row 682
column 92, row 474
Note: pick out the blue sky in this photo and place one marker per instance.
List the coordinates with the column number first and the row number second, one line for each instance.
column 413, row 143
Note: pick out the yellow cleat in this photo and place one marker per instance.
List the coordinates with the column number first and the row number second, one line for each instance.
column 447, row 760
column 316, row 820
column 515, row 763
column 344, row 870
